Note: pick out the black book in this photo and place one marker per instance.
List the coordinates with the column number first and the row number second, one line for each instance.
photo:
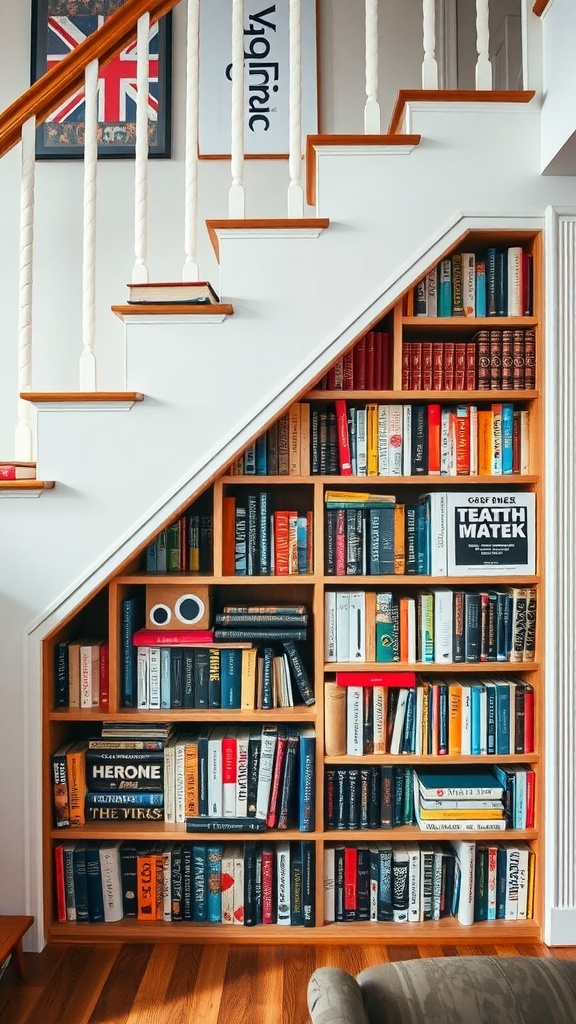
column 472, row 627
column 367, row 720
column 384, row 905
column 354, row 541
column 363, row 884
column 187, row 886
column 124, row 770
column 374, row 797
column 251, row 534
column 364, row 797
column 176, row 677
column 177, row 883
column 188, row 676
column 411, row 540
column 199, row 873
column 201, row 674
column 339, row 883
column 210, row 824
column 295, row 884
column 132, row 618
column 458, row 626
column 250, row 912
column 288, row 784
column 80, row 882
column 203, row 771
column 214, row 684
column 399, row 796
column 299, row 672
column 387, row 791
column 330, row 798
column 256, row 634
column 263, row 560
column 61, row 677
column 254, row 744
column 308, row 883
column 419, row 437
column 353, row 803
column 94, row 883
column 341, row 797
column 128, row 876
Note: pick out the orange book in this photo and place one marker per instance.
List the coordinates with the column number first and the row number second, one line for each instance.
column 228, row 536
column 282, row 542
column 76, row 771
column 485, row 442
column 191, row 797
column 404, row 630
column 294, row 439
column 146, row 887
column 372, row 439
column 399, row 539
column 455, row 719
column 434, row 439
column 304, row 439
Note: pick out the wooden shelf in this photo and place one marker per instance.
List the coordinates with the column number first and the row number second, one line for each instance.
column 444, row 397
column 428, row 667
column 456, row 323
column 185, row 715
column 369, row 482
column 435, row 759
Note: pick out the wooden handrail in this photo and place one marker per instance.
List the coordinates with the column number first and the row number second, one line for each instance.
column 539, row 7
column 63, row 79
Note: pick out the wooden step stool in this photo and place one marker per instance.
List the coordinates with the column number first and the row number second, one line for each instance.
column 12, row 929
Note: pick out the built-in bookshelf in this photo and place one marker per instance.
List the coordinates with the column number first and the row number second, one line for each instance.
column 395, row 531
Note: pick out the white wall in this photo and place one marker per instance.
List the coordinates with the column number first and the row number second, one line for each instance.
column 559, row 80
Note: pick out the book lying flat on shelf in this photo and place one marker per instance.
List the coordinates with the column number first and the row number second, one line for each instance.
column 190, row 292
column 17, row 470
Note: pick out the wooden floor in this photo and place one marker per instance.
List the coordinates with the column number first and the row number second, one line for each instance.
column 187, row 984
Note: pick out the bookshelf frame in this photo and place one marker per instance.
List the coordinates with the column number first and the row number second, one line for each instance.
column 61, row 724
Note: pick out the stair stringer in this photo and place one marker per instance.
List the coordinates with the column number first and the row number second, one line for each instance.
column 120, row 477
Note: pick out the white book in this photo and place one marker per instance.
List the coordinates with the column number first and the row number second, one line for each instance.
column 154, row 678
column 460, row 825
column 361, row 443
column 407, row 440
column 383, row 438
column 432, row 292
column 165, row 699
column 169, row 791
column 167, row 883
column 329, row 885
column 89, row 682
column 395, row 433
column 519, row 796
column 523, row 865
column 161, row 552
column 142, row 677
column 411, row 617
column 438, row 539
column 227, row 889
column 464, row 878
column 230, row 773
column 398, row 728
column 215, row 805
column 437, row 883
column 483, row 718
column 109, row 857
column 515, row 280
column 354, row 720
column 242, row 739
column 443, row 626
column 512, row 875
column 379, row 719
column 342, row 625
column 445, row 443
column 469, row 283
column 330, row 625
column 179, row 778
column 414, row 881
column 357, row 626
column 267, row 748
column 426, row 864
column 283, row 912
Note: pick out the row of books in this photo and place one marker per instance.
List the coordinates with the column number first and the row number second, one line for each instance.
column 215, row 883
column 282, row 450
column 240, row 778
column 494, row 282
column 491, row 360
column 435, row 626
column 207, row 677
column 82, row 673
column 438, row 440
column 411, row 882
column 260, row 542
column 184, row 546
column 389, row 796
column 422, row 716
column 365, row 367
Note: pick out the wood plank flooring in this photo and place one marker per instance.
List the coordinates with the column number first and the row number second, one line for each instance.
column 187, row 984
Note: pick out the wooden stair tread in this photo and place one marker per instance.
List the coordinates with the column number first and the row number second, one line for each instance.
column 39, row 397
column 217, row 310
column 454, row 96
column 26, row 485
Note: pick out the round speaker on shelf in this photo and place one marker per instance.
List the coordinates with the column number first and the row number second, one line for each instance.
column 170, row 605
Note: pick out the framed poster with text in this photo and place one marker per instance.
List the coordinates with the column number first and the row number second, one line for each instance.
column 58, row 28
column 266, row 77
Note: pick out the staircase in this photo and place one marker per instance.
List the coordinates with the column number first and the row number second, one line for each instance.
column 187, row 391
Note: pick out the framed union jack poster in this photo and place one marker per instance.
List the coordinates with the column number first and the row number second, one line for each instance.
column 58, row 27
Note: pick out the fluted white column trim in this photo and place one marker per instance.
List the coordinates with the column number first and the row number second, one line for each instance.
column 140, row 269
column 372, row 107
column 295, row 189
column 190, row 269
column 24, row 444
column 87, row 375
column 236, row 196
column 560, row 466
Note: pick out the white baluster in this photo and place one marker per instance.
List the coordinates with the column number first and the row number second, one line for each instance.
column 372, row 107
column 295, row 190
column 483, row 65
column 24, row 438
column 190, row 269
column 88, row 358
column 429, row 65
column 236, row 196
column 140, row 269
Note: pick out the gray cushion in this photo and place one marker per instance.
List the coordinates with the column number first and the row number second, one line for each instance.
column 471, row 990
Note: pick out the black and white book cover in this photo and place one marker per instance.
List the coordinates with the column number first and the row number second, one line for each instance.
column 491, row 533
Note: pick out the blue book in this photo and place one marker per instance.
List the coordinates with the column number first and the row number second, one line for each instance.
column 381, row 541
column 507, row 430
column 459, row 782
column 306, row 778
column 423, row 538
column 250, row 460
column 302, row 544
column 80, row 882
column 240, row 549
column 491, row 304
column 445, row 288
column 132, row 618
column 261, row 455
column 230, row 677
column 94, row 883
column 199, row 882
column 411, row 539
column 263, row 557
column 502, row 718
column 214, row 883
column 187, row 884
column 480, row 284
column 152, row 556
column 475, row 737
column 125, row 798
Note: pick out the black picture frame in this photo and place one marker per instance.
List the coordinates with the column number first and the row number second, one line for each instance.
column 52, row 37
